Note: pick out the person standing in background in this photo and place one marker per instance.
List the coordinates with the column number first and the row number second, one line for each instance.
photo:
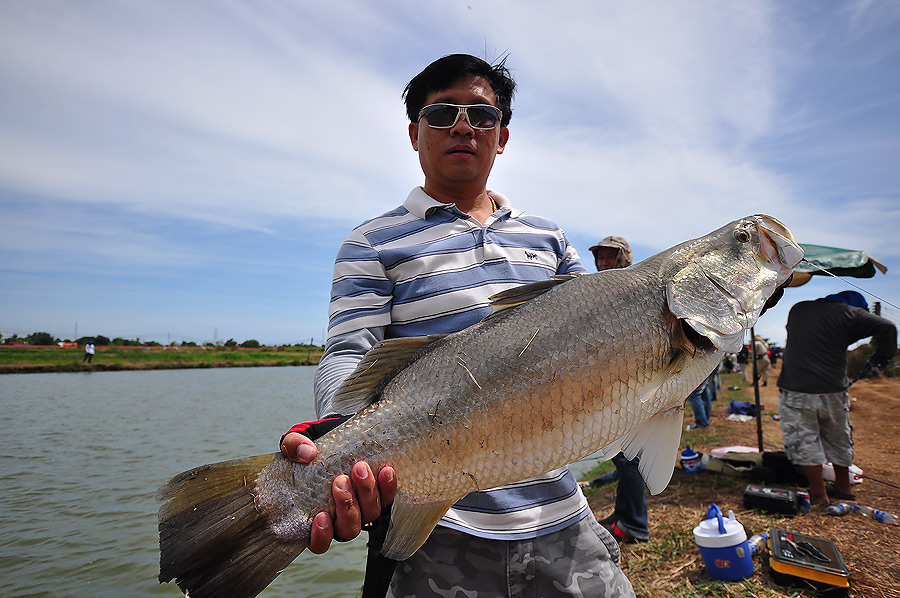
column 813, row 401
column 612, row 252
column 629, row 521
column 701, row 405
column 88, row 352
column 761, row 350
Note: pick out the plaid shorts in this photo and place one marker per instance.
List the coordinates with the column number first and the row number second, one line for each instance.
column 580, row 560
column 816, row 427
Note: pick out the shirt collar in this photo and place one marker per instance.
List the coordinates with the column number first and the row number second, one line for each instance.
column 420, row 204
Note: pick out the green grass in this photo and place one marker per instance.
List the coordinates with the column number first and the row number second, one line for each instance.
column 18, row 359
column 601, row 468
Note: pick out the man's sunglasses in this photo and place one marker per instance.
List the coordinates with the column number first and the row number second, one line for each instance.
column 445, row 116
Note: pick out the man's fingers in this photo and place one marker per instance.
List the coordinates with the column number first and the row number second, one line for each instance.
column 366, row 492
column 321, row 534
column 298, row 447
column 348, row 523
column 387, row 485
column 357, row 499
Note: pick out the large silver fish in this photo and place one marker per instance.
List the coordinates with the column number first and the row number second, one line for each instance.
column 560, row 370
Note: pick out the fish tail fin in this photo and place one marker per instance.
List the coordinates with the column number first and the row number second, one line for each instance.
column 213, row 540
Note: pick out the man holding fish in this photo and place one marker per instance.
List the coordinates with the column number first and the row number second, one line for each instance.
column 428, row 267
column 470, row 391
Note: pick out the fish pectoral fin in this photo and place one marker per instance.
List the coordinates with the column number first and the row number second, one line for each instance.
column 382, row 360
column 653, row 387
column 657, row 439
column 515, row 296
column 411, row 524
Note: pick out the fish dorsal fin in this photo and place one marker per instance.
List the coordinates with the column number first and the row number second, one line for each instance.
column 411, row 524
column 360, row 389
column 657, row 439
column 518, row 295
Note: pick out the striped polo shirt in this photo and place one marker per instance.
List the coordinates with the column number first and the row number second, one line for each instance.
column 428, row 268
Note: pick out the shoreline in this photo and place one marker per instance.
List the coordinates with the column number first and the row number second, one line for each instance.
column 46, row 368
column 46, row 360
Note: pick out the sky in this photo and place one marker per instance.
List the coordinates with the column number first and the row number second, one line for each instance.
column 186, row 171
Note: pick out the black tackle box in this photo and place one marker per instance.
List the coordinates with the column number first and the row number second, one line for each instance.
column 808, row 562
column 770, row 500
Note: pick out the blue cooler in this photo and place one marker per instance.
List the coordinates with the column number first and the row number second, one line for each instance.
column 723, row 546
column 690, row 460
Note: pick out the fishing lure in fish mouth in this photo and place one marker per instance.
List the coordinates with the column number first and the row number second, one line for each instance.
column 560, row 369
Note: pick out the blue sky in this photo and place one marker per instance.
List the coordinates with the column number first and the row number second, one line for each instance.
column 187, row 170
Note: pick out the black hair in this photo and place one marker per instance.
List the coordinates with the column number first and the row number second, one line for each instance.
column 444, row 72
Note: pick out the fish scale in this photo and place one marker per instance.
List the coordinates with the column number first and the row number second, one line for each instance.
column 481, row 425
column 562, row 369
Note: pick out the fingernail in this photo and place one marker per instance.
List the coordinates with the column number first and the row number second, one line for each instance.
column 321, row 522
column 343, row 482
column 362, row 472
column 389, row 475
column 305, row 452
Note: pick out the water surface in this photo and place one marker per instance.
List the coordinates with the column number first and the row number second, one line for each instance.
column 82, row 455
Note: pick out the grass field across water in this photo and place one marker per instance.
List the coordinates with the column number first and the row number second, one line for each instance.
column 24, row 359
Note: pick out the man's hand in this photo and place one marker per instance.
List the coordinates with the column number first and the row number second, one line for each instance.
column 359, row 497
column 871, row 369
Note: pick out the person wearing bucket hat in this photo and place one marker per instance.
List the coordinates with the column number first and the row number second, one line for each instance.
column 612, row 252
column 763, row 363
column 629, row 521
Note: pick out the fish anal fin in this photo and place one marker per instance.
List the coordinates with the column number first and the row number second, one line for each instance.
column 518, row 295
column 657, row 439
column 360, row 388
column 411, row 524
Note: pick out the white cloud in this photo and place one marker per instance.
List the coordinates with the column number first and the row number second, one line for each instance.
column 660, row 120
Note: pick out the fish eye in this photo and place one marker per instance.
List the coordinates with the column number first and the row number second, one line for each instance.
column 741, row 235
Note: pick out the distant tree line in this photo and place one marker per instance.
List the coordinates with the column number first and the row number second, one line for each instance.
column 45, row 338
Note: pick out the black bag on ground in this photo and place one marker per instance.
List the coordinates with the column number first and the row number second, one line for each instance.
column 778, row 469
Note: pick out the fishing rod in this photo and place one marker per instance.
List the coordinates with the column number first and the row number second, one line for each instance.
column 818, row 267
column 869, row 369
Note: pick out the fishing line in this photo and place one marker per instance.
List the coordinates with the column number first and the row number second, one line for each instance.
column 848, row 282
column 868, row 477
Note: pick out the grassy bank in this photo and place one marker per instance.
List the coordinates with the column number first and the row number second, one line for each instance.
column 670, row 564
column 23, row 360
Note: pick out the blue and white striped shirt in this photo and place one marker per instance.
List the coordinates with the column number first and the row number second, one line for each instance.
column 428, row 268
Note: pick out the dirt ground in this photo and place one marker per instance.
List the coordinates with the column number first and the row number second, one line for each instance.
column 670, row 564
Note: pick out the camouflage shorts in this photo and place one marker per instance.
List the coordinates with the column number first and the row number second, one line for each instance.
column 816, row 427
column 580, row 560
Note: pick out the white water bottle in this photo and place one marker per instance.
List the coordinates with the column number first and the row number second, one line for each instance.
column 758, row 543
column 878, row 515
column 839, row 509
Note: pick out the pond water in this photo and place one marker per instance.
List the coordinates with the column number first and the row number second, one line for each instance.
column 82, row 456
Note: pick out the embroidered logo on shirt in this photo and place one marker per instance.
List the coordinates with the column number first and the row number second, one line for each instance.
column 531, row 256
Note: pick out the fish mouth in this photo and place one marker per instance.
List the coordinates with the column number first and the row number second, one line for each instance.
column 698, row 341
column 718, row 304
column 778, row 246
